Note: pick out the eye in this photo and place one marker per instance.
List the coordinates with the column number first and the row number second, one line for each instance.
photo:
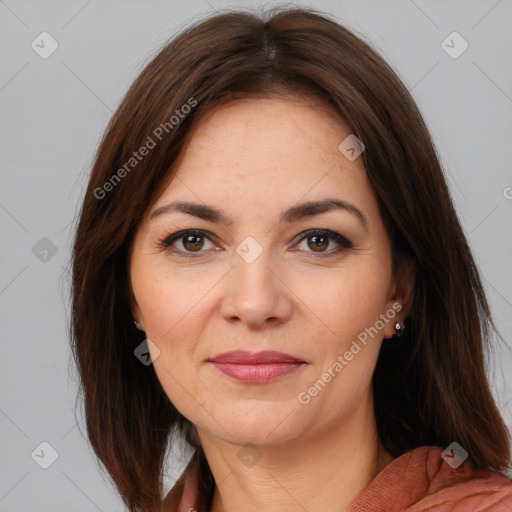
column 191, row 241
column 319, row 239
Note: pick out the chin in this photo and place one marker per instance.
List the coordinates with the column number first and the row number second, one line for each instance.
column 260, row 426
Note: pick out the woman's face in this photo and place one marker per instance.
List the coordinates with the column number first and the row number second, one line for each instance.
column 256, row 281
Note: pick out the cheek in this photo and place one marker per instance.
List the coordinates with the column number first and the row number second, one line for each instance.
column 355, row 315
column 172, row 306
column 172, row 302
column 348, row 300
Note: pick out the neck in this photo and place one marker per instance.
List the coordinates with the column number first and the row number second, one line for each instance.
column 326, row 471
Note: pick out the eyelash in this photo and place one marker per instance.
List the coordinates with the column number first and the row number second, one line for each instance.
column 343, row 242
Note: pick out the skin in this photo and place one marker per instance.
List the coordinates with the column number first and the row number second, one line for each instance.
column 254, row 158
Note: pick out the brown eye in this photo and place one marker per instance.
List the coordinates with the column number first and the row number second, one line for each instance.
column 193, row 242
column 318, row 242
column 188, row 243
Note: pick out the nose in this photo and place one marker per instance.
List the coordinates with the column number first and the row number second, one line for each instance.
column 256, row 294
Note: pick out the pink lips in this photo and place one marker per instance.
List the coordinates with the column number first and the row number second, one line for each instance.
column 256, row 367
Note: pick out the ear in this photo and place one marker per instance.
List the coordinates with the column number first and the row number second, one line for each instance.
column 400, row 297
column 137, row 316
column 134, row 306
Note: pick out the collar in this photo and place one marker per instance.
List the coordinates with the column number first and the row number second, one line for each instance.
column 418, row 481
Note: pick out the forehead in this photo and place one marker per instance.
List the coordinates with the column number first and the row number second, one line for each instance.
column 252, row 152
column 286, row 127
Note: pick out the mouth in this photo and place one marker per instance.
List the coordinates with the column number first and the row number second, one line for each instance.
column 256, row 367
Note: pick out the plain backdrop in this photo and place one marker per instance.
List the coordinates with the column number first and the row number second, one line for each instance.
column 53, row 112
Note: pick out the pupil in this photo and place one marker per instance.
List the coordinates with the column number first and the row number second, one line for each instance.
column 189, row 241
column 318, row 244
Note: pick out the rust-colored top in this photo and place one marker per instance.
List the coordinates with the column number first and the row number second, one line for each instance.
column 417, row 481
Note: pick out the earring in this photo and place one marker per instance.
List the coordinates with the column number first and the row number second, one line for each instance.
column 399, row 329
column 137, row 325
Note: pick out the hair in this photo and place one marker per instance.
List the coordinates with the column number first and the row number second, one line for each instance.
column 430, row 385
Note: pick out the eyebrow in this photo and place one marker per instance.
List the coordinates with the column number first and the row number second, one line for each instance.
column 293, row 214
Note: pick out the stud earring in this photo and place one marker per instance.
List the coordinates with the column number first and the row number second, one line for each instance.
column 399, row 329
column 137, row 325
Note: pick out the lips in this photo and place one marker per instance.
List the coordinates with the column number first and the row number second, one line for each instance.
column 256, row 367
column 245, row 357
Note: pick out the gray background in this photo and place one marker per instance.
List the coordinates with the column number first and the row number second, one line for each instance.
column 53, row 112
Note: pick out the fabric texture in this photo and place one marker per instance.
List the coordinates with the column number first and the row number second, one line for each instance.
column 417, row 481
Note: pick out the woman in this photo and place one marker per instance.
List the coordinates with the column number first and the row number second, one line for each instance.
column 268, row 224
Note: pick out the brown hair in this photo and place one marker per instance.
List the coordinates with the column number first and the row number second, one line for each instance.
column 430, row 387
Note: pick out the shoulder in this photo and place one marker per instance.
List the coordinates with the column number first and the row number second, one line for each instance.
column 422, row 480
